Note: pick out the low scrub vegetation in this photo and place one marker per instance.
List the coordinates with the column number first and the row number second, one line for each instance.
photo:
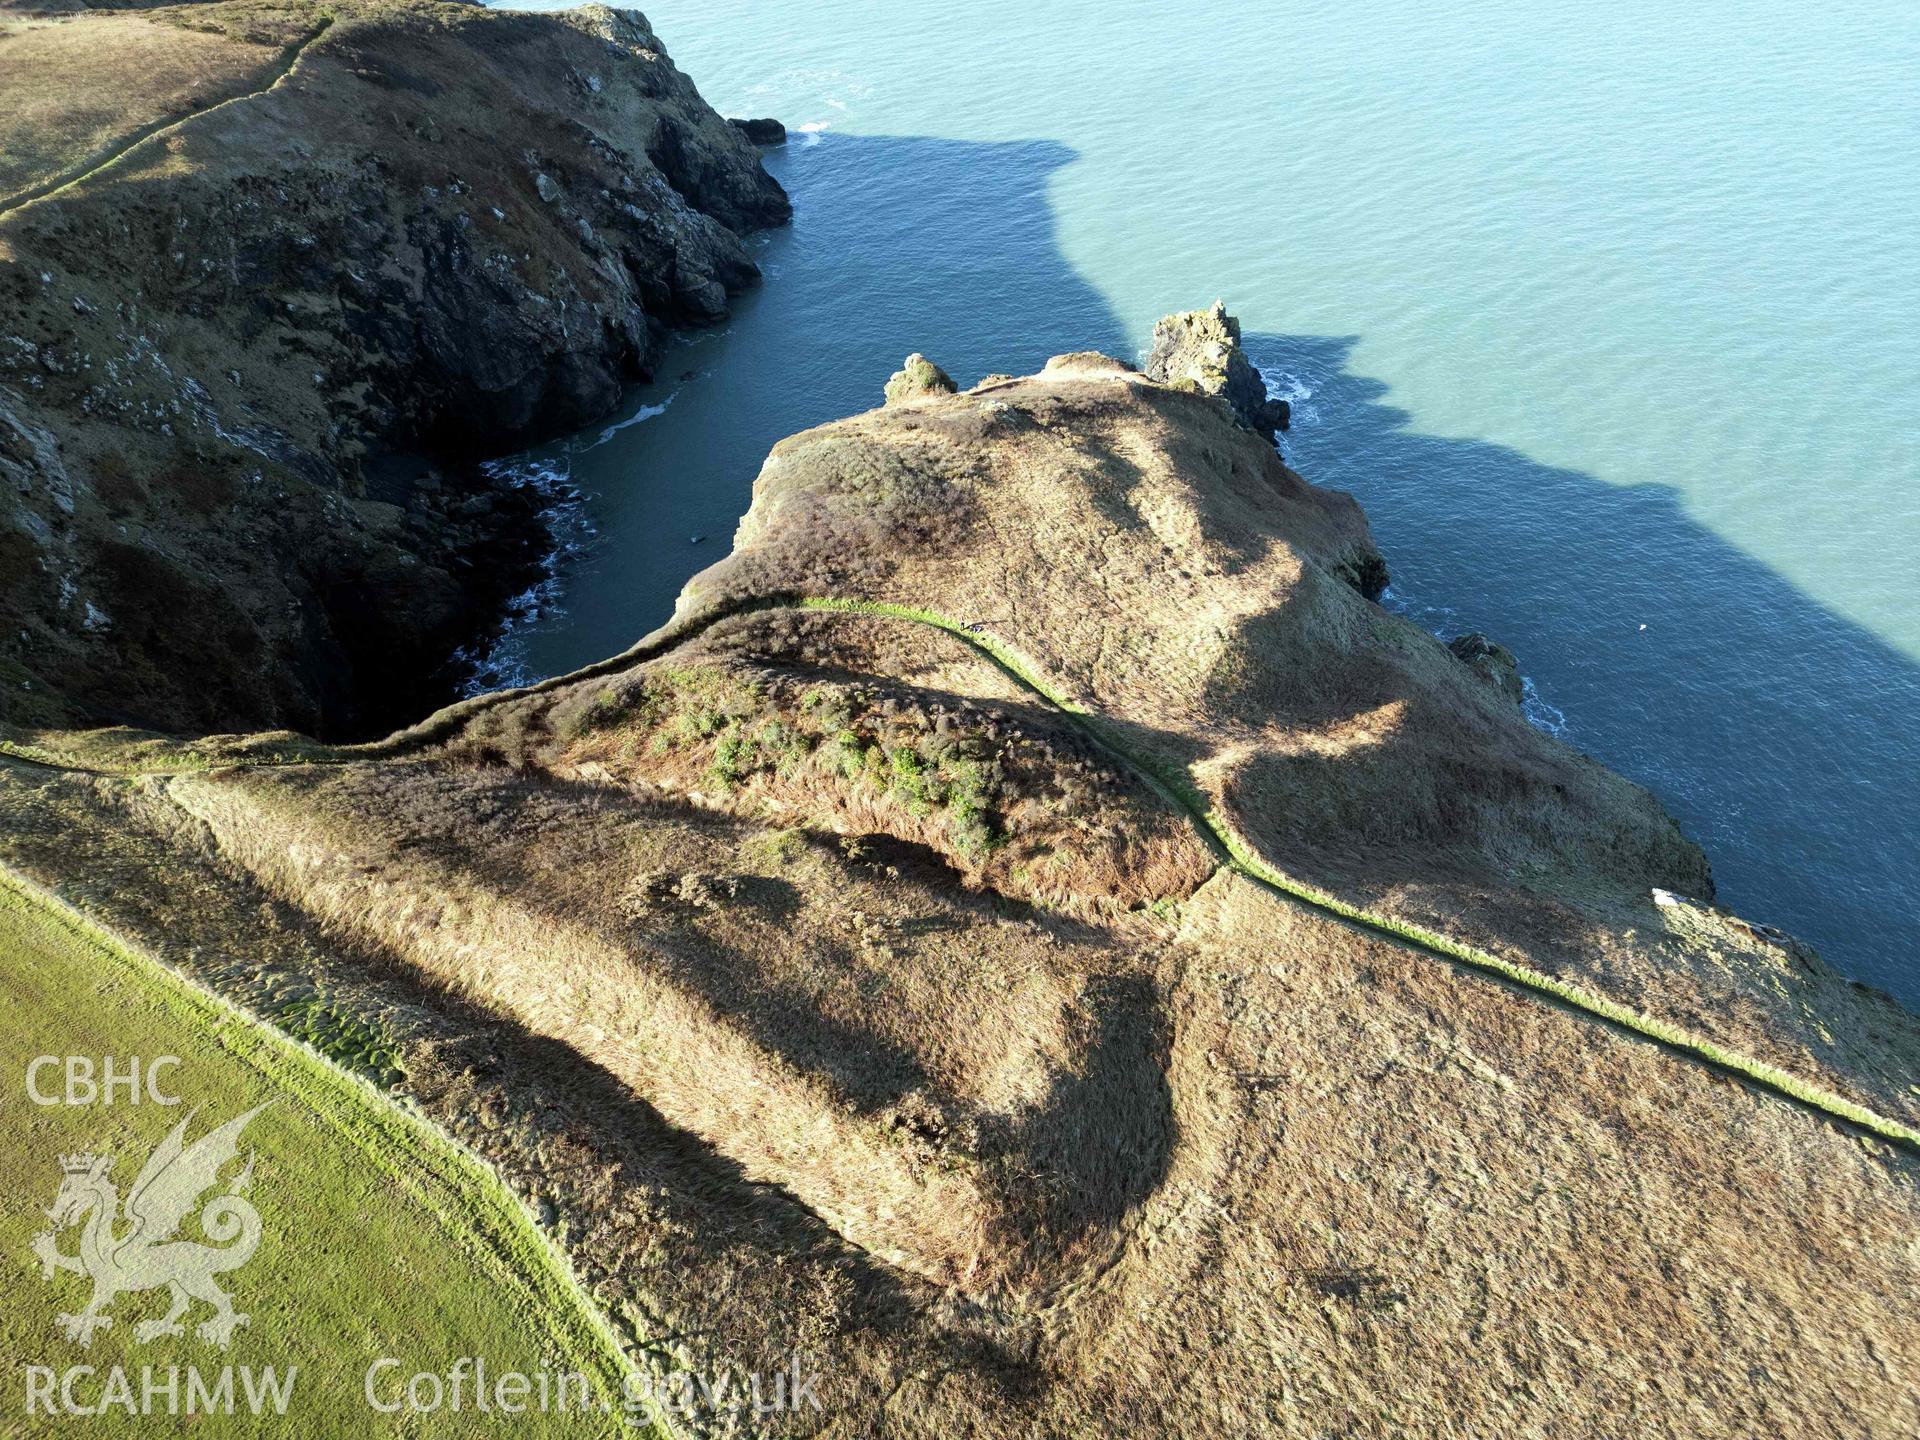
column 728, row 729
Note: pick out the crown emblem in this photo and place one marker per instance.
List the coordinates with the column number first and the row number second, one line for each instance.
column 126, row 1249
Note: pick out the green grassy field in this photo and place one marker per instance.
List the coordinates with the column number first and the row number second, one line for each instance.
column 378, row 1237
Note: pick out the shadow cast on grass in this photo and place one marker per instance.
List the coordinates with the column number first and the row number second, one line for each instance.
column 1101, row 1136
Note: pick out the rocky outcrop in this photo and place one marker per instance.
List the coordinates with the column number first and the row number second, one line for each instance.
column 917, row 377
column 1200, row 350
column 1234, row 613
column 243, row 366
column 1492, row 663
column 763, row 131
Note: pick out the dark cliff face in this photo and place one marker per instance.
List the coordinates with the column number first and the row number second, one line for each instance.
column 443, row 232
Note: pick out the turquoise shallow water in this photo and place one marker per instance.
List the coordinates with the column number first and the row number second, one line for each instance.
column 1607, row 314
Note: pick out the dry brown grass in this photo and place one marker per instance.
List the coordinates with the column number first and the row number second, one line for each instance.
column 1021, row 1174
column 75, row 89
column 960, row 1088
column 857, row 726
column 1166, row 571
column 795, row 1068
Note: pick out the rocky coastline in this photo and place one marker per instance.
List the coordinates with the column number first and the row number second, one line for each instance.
column 247, row 363
column 1032, row 934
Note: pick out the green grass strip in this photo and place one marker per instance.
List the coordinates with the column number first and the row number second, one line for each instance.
column 488, row 1222
column 146, row 752
column 1242, row 858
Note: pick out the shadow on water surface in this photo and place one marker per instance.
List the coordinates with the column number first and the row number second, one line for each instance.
column 896, row 244
column 1779, row 733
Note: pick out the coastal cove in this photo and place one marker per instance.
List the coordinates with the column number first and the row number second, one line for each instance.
column 1068, row 722
column 1662, row 446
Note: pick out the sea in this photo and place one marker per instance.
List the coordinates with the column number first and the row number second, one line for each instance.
column 1608, row 314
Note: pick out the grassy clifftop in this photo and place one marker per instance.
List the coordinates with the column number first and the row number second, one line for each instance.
column 82, row 88
column 901, row 957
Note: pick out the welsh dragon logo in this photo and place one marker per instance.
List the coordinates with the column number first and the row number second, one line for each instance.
column 134, row 1247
